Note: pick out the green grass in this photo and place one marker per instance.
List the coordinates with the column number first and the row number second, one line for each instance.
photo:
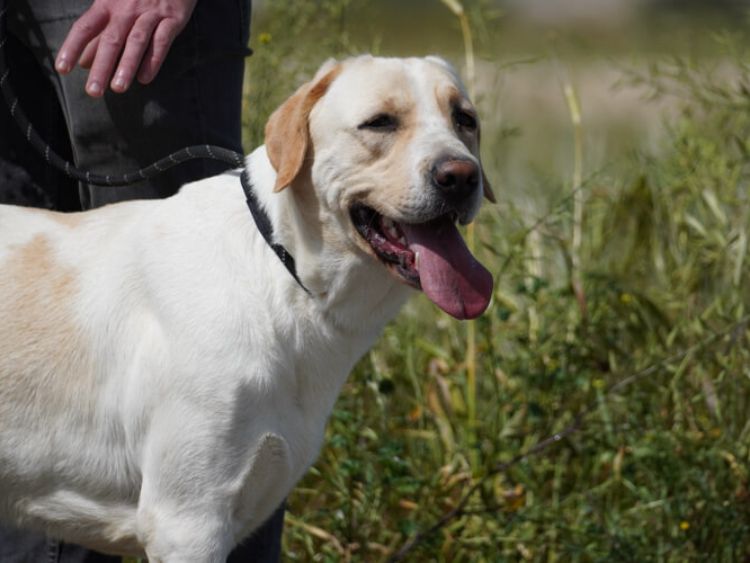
column 643, row 373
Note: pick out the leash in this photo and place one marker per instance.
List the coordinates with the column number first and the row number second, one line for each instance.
column 212, row 152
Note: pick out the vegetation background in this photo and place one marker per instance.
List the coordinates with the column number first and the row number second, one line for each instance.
column 599, row 409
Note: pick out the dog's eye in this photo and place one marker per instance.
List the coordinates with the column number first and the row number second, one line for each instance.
column 381, row 122
column 465, row 119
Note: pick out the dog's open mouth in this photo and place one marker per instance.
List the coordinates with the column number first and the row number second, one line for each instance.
column 430, row 256
column 388, row 241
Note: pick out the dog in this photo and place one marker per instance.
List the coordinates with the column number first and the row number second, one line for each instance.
column 164, row 380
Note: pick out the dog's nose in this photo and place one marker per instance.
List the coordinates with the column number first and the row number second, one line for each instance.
column 455, row 178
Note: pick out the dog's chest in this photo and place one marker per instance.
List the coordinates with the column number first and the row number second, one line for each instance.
column 310, row 390
column 287, row 431
column 305, row 398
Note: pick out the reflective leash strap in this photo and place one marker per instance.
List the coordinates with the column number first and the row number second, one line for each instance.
column 212, row 152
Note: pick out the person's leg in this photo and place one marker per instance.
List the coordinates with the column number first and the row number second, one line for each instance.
column 264, row 546
column 23, row 546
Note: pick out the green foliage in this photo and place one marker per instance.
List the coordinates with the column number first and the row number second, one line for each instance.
column 644, row 374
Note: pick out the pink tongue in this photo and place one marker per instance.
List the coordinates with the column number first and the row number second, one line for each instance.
column 450, row 276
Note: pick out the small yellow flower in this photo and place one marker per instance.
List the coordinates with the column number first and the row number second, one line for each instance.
column 626, row 298
column 684, row 525
column 598, row 383
column 264, row 38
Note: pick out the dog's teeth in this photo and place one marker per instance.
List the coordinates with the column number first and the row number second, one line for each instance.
column 389, row 227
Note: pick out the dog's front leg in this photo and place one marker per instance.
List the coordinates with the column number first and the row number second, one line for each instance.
column 176, row 529
column 206, row 487
column 175, row 536
column 184, row 508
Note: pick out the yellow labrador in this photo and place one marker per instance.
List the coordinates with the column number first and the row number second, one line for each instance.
column 164, row 380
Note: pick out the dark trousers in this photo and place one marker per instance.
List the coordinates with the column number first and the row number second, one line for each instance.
column 195, row 99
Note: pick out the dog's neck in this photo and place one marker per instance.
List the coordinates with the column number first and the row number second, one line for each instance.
column 352, row 290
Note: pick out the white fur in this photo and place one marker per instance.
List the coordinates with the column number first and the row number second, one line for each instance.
column 184, row 384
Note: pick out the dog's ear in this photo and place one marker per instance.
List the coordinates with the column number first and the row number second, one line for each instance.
column 287, row 133
column 486, row 187
column 488, row 193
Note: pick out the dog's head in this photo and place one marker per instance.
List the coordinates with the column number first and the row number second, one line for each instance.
column 391, row 146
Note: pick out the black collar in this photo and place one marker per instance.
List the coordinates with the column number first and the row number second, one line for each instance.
column 263, row 223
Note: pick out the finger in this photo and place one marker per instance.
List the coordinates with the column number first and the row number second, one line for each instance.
column 111, row 43
column 87, row 58
column 137, row 42
column 84, row 29
column 157, row 51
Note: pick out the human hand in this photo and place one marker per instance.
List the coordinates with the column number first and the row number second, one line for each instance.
column 117, row 38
